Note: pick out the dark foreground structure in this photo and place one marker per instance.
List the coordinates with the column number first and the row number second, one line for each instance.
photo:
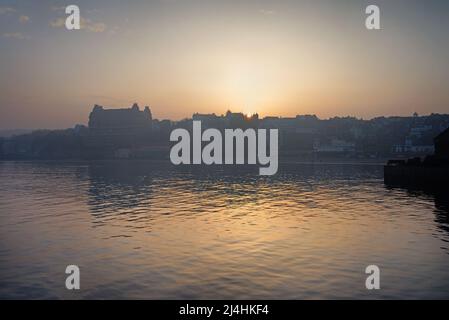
column 432, row 172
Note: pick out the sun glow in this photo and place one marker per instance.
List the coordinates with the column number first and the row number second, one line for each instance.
column 249, row 85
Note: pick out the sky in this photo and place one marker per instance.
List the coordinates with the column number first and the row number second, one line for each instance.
column 278, row 58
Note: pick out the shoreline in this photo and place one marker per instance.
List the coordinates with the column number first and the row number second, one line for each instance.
column 377, row 162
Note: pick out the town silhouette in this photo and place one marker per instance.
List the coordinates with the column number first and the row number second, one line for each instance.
column 132, row 133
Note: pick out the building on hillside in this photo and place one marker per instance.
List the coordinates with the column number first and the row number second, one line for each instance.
column 119, row 122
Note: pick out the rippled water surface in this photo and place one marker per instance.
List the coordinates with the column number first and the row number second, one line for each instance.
column 149, row 230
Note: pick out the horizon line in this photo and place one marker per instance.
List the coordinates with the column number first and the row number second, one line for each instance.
column 245, row 115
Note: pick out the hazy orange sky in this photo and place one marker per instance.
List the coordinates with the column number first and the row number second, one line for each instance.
column 180, row 57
